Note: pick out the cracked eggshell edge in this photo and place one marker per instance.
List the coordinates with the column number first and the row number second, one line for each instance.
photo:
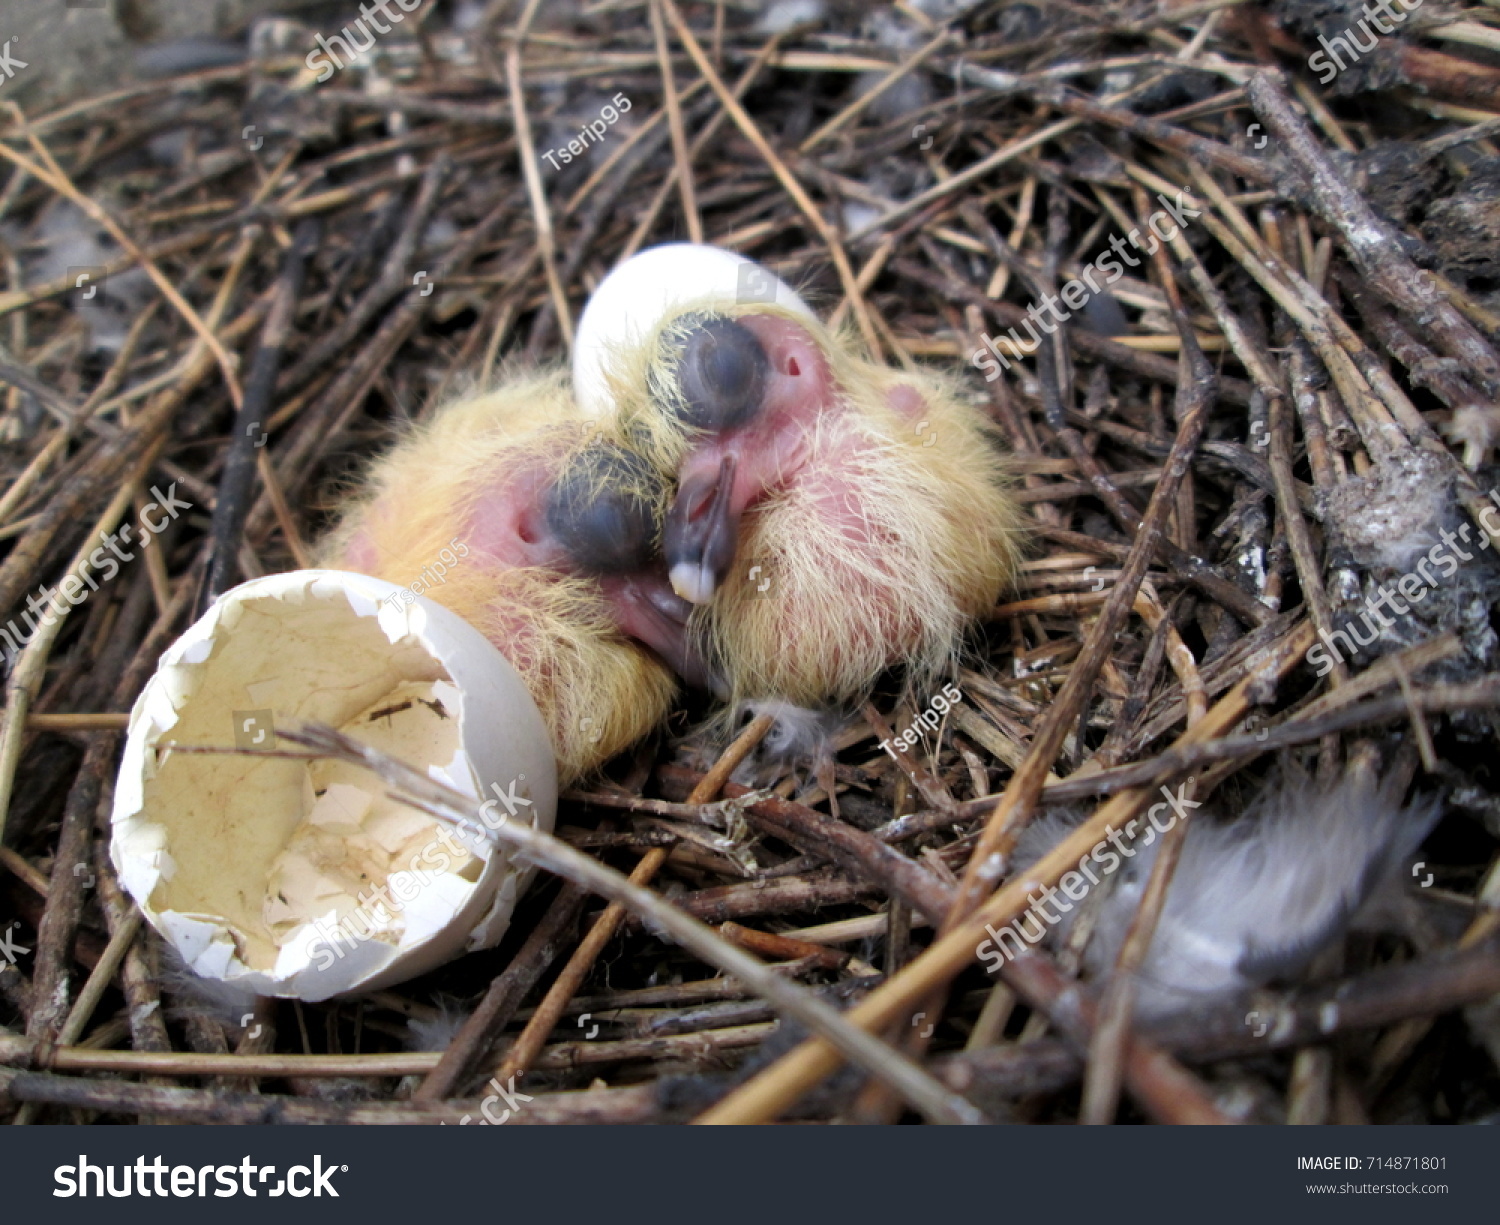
column 501, row 737
column 628, row 304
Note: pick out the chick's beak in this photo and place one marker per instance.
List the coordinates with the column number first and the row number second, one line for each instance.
column 701, row 534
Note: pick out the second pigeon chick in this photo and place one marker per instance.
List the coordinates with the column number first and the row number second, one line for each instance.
column 561, row 524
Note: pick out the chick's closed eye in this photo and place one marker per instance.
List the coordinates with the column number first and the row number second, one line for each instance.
column 604, row 508
column 721, row 373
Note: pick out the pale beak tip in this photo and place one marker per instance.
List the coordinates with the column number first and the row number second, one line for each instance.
column 695, row 584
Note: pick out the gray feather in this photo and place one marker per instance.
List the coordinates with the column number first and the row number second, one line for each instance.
column 1256, row 899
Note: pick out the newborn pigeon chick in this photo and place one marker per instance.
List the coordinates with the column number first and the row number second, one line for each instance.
column 832, row 516
column 560, row 521
column 1251, row 901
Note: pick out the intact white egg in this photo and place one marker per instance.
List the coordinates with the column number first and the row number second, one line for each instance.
column 634, row 297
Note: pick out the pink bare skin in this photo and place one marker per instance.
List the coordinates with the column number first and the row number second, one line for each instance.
column 507, row 525
column 774, row 449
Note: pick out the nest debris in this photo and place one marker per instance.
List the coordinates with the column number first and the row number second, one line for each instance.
column 1303, row 381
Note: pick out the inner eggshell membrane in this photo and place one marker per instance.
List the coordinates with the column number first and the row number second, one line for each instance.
column 247, row 864
column 353, row 836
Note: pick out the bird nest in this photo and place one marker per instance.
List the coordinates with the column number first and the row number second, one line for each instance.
column 1224, row 453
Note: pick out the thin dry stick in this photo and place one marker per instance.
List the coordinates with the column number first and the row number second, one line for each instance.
column 1401, row 1040
column 1382, row 401
column 709, row 130
column 526, row 145
column 526, row 1048
column 1194, row 394
column 1309, row 573
column 285, row 520
column 524, row 1051
column 1369, row 241
column 793, row 188
column 25, row 680
column 1378, row 430
column 1380, row 998
column 1106, row 1067
column 409, row 786
column 1178, row 656
column 59, row 182
column 892, row 78
column 674, row 119
column 230, row 507
column 969, row 174
column 100, row 978
column 637, row 1104
column 88, row 999
column 101, row 468
column 773, row 1090
column 503, row 998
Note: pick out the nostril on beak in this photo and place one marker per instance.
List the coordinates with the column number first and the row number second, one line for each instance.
column 722, row 374
column 701, row 535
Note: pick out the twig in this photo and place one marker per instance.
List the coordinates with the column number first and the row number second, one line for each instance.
column 412, row 787
column 503, row 998
column 529, row 1044
column 774, row 1089
column 250, row 422
column 1371, row 245
column 752, row 133
column 674, row 118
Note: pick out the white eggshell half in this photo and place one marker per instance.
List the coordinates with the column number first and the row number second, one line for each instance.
column 634, row 297
column 252, row 867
